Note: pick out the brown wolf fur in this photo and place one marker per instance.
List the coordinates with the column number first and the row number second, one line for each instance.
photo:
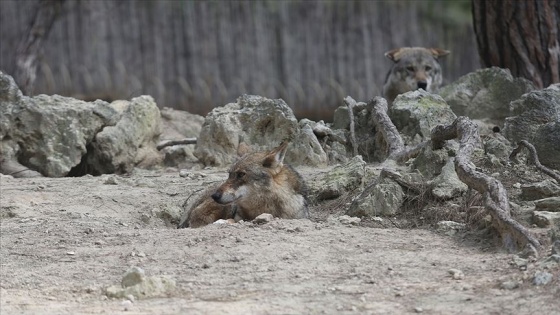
column 414, row 68
column 258, row 183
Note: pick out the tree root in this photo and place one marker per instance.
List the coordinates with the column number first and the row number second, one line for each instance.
column 513, row 234
column 350, row 102
column 534, row 159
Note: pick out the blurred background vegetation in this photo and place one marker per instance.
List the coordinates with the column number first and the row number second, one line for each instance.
column 195, row 55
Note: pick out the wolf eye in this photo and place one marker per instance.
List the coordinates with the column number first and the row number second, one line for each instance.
column 239, row 175
column 428, row 68
column 410, row 68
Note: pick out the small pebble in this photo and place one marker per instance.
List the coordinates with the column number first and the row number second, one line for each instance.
column 111, row 180
column 456, row 274
column 542, row 278
column 509, row 285
column 70, row 253
column 127, row 305
column 263, row 218
column 418, row 309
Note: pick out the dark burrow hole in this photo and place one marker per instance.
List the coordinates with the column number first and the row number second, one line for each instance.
column 84, row 168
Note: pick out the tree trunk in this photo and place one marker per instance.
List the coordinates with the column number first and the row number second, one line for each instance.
column 522, row 36
column 30, row 46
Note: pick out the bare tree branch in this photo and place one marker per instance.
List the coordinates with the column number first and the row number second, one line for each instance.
column 168, row 143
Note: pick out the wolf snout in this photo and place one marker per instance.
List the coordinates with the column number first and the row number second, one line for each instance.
column 216, row 196
column 422, row 85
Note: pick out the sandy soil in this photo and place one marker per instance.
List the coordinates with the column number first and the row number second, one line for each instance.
column 64, row 241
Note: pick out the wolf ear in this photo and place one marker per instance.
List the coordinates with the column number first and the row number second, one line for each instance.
column 394, row 54
column 243, row 149
column 438, row 52
column 275, row 157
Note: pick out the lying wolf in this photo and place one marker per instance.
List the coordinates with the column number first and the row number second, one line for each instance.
column 414, row 68
column 258, row 183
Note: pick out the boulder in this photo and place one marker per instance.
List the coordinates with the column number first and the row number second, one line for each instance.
column 131, row 141
column 447, row 185
column 546, row 219
column 341, row 179
column 537, row 120
column 540, row 190
column 416, row 113
column 262, row 124
column 385, row 199
column 547, row 143
column 176, row 125
column 551, row 204
column 332, row 141
column 485, row 93
column 59, row 136
column 429, row 162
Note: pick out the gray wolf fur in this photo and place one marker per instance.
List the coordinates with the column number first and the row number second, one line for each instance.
column 258, row 183
column 413, row 68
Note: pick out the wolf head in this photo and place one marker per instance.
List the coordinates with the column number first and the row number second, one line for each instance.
column 251, row 174
column 414, row 68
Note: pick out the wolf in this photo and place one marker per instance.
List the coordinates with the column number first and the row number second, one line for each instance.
column 257, row 183
column 414, row 68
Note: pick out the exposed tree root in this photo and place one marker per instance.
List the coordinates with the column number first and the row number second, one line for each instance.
column 534, row 158
column 514, row 235
column 350, row 102
column 168, row 143
column 396, row 149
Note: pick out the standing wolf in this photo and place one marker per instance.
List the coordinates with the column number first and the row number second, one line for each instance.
column 258, row 183
column 414, row 68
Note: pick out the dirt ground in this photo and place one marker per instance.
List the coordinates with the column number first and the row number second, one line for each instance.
column 65, row 240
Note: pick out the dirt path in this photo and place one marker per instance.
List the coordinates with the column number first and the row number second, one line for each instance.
column 63, row 241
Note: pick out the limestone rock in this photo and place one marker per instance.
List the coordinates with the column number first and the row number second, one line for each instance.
column 545, row 219
column 447, row 185
column 416, row 113
column 540, row 190
column 369, row 146
column 262, row 124
column 547, row 144
column 176, row 125
column 263, row 218
column 150, row 287
column 537, row 120
column 385, row 199
column 485, row 93
column 59, row 136
column 133, row 276
column 131, row 141
column 341, row 179
column 348, row 220
column 48, row 134
column 551, row 204
column 332, row 141
column 450, row 227
column 542, row 278
column 430, row 162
